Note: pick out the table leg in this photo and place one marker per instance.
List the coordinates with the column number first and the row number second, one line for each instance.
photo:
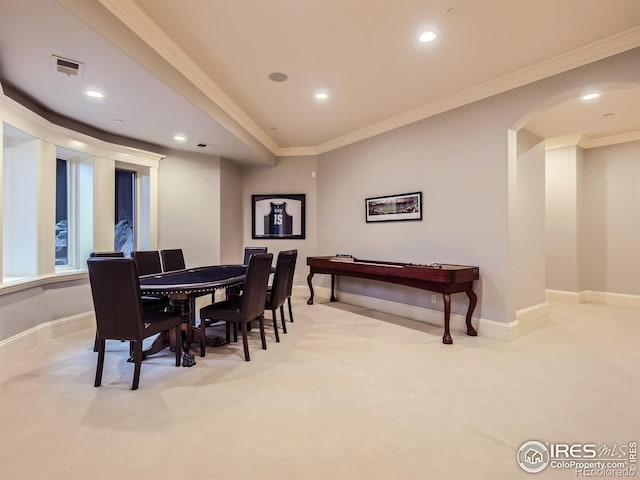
column 309, row 277
column 473, row 299
column 446, row 339
column 333, row 288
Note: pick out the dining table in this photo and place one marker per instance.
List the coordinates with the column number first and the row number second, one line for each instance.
column 182, row 287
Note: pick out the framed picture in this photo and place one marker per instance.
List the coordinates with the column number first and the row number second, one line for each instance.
column 278, row 216
column 394, row 208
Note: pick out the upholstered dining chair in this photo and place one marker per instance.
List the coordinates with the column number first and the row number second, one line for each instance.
column 104, row 254
column 147, row 261
column 117, row 302
column 290, row 283
column 248, row 251
column 248, row 307
column 277, row 294
column 172, row 259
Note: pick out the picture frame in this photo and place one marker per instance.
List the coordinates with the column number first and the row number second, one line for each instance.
column 394, row 208
column 278, row 216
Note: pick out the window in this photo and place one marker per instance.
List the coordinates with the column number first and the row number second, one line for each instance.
column 62, row 213
column 125, row 212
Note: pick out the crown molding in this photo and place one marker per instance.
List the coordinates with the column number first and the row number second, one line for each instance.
column 587, row 142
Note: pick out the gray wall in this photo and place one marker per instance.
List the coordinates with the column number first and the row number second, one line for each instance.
column 610, row 216
column 231, row 241
column 290, row 175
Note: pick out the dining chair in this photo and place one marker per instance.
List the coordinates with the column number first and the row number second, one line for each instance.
column 248, row 251
column 172, row 259
column 290, row 283
column 104, row 254
column 248, row 307
column 277, row 294
column 119, row 313
column 147, row 261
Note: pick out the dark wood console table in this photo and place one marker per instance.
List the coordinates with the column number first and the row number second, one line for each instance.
column 441, row 278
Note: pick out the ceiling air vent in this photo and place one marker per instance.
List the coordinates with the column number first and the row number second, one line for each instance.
column 69, row 67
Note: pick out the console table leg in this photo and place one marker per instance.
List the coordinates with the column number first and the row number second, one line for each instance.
column 309, row 277
column 446, row 339
column 473, row 299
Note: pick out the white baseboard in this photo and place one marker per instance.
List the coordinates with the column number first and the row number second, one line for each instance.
column 591, row 296
column 486, row 328
column 45, row 331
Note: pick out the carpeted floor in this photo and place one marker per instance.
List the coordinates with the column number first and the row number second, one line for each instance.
column 347, row 394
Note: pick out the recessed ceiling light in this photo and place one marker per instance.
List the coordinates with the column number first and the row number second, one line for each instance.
column 321, row 96
column 590, row 96
column 180, row 137
column 118, row 121
column 427, row 36
column 278, row 77
column 94, row 94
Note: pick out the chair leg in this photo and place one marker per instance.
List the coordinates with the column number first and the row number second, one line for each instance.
column 275, row 325
column 290, row 310
column 100, row 345
column 178, row 348
column 203, row 336
column 95, row 343
column 235, row 330
column 284, row 325
column 245, row 340
column 138, row 363
column 262, row 336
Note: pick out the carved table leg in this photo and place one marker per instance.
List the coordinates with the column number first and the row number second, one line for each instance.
column 446, row 339
column 472, row 305
column 309, row 277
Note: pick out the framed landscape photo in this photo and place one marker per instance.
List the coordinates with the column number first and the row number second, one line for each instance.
column 278, row 216
column 394, row 208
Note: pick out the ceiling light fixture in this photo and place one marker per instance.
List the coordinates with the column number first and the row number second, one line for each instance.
column 94, row 93
column 321, row 96
column 590, row 96
column 180, row 137
column 427, row 36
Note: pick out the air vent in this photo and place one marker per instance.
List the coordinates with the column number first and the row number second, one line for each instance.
column 69, row 67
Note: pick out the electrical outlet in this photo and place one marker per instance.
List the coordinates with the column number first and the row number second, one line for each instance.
column 434, row 299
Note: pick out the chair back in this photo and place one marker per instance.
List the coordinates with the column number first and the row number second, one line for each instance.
column 294, row 254
column 285, row 265
column 147, row 261
column 172, row 259
column 254, row 292
column 248, row 251
column 107, row 254
column 115, row 289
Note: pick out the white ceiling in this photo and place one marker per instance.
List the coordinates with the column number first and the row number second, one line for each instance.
column 201, row 67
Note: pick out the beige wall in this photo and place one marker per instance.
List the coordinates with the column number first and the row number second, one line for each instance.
column 610, row 244
column 189, row 207
column 290, row 175
column 231, row 241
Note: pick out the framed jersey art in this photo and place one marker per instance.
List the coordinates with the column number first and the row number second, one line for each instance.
column 278, row 216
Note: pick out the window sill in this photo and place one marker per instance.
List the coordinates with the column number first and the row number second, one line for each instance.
column 68, row 275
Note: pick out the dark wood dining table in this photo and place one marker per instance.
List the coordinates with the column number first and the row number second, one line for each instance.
column 183, row 287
